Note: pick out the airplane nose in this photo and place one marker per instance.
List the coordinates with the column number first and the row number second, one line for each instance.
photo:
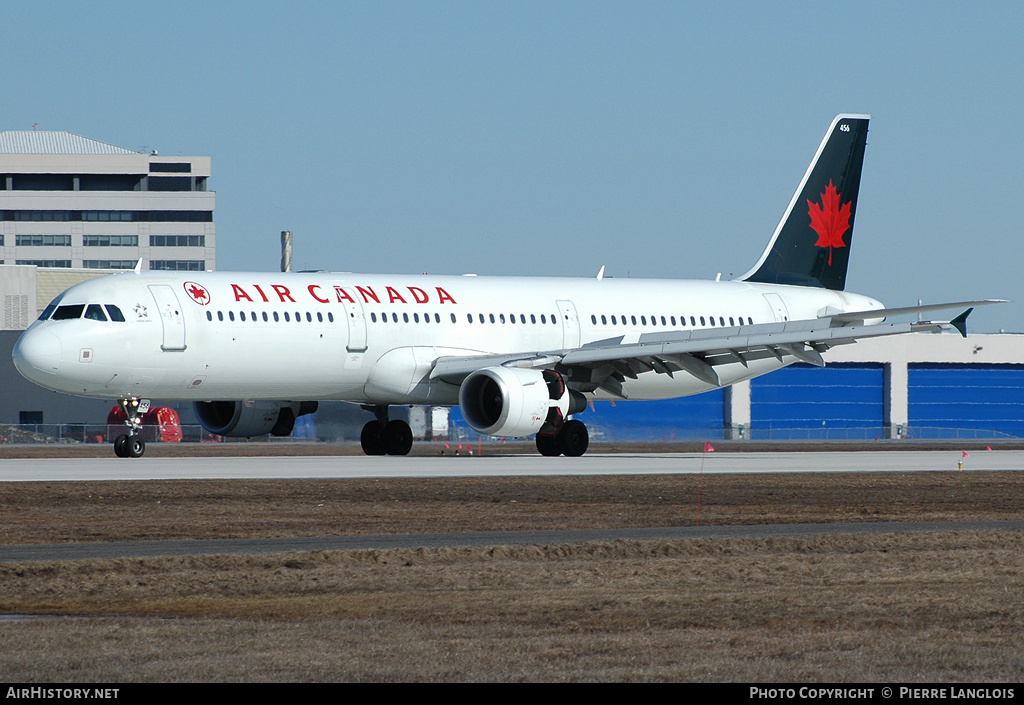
column 37, row 354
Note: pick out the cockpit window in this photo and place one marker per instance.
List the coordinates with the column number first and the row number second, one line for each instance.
column 68, row 312
column 95, row 312
column 48, row 311
column 115, row 313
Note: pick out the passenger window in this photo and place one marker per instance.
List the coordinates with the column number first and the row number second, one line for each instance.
column 731, row 321
column 416, row 317
column 265, row 319
column 405, row 317
column 277, row 319
column 231, row 315
column 95, row 313
column 116, row 315
column 209, row 316
column 319, row 317
column 373, row 317
column 241, row 315
column 220, row 315
column 542, row 319
column 330, row 317
column 453, row 319
column 287, row 318
column 533, row 318
column 309, row 317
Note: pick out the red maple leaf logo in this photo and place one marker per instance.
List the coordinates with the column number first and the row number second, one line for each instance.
column 829, row 220
column 197, row 292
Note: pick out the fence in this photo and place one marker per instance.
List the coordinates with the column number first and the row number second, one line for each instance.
column 103, row 433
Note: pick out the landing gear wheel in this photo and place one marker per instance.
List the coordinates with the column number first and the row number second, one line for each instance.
column 121, row 446
column 548, row 445
column 371, row 439
column 135, row 446
column 573, row 439
column 398, row 438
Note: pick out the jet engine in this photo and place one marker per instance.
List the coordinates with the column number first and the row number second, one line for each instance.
column 251, row 418
column 509, row 401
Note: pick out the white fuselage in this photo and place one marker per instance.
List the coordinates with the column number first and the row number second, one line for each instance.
column 374, row 338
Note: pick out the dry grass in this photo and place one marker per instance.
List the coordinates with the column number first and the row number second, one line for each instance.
column 120, row 511
column 916, row 608
column 899, row 608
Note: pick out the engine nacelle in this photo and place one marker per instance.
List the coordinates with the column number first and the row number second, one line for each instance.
column 509, row 401
column 251, row 418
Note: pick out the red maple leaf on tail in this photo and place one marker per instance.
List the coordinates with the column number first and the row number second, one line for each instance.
column 829, row 220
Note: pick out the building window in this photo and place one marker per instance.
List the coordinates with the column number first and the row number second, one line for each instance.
column 38, row 216
column 178, row 265
column 110, row 240
column 108, row 216
column 170, row 183
column 61, row 263
column 177, row 240
column 109, row 263
column 43, row 241
column 170, row 167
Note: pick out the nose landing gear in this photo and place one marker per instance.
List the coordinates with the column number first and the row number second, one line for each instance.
column 131, row 444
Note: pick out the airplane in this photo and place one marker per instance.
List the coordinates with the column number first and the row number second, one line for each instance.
column 519, row 356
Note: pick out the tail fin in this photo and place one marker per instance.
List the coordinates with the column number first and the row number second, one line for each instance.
column 811, row 245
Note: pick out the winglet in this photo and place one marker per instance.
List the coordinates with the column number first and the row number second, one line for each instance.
column 960, row 322
column 138, row 266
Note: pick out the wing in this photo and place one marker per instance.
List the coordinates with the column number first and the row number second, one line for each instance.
column 605, row 364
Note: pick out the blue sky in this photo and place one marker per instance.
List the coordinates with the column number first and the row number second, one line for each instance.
column 551, row 138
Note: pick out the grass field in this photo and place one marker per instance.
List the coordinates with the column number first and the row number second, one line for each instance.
column 922, row 607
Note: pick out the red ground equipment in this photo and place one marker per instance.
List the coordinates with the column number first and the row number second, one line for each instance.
column 160, row 423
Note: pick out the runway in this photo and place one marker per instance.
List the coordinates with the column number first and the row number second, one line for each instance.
column 340, row 467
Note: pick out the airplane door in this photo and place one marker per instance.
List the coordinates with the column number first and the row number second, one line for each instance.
column 779, row 309
column 170, row 316
column 570, row 324
column 356, row 324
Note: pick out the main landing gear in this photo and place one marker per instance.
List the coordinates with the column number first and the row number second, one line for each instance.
column 131, row 445
column 385, row 437
column 572, row 440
